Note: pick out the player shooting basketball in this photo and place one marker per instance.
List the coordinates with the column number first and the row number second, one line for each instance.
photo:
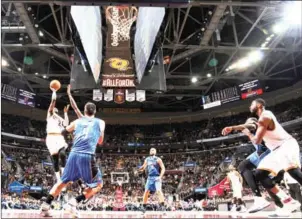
column 55, row 141
column 156, row 171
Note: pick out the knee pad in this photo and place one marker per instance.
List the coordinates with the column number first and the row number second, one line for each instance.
column 55, row 160
column 62, row 155
column 263, row 177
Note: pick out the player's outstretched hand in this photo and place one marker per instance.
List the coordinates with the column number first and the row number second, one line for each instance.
column 69, row 89
column 226, row 130
column 66, row 108
column 53, row 90
column 246, row 132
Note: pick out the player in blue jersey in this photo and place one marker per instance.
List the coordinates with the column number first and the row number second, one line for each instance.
column 156, row 170
column 81, row 163
column 247, row 166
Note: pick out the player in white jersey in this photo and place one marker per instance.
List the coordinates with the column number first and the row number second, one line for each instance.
column 284, row 152
column 55, row 141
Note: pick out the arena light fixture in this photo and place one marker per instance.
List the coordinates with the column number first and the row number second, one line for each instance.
column 279, row 28
column 255, row 56
column 243, row 63
column 44, row 76
column 4, row 62
column 292, row 14
column 194, row 80
column 36, row 73
column 19, row 69
column 209, row 75
column 41, row 34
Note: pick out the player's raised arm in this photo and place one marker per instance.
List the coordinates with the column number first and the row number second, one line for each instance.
column 52, row 103
column 162, row 168
column 250, row 124
column 142, row 168
column 73, row 103
column 102, row 128
column 66, row 119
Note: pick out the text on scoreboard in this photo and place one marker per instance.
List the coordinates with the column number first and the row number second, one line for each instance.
column 242, row 91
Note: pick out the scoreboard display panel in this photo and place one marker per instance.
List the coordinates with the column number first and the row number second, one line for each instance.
column 242, row 91
column 250, row 89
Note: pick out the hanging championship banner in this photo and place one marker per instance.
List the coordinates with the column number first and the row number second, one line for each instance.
column 97, row 95
column 119, row 96
column 108, row 95
column 140, row 95
column 130, row 95
column 118, row 68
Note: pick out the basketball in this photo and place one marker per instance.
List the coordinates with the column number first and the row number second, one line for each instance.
column 55, row 84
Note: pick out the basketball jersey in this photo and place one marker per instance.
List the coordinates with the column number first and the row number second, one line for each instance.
column 153, row 166
column 274, row 138
column 86, row 134
column 55, row 124
column 260, row 148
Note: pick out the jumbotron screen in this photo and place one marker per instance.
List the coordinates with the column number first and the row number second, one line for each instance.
column 242, row 91
column 18, row 95
column 250, row 89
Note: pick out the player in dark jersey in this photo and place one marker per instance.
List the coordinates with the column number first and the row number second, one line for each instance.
column 81, row 163
column 156, row 170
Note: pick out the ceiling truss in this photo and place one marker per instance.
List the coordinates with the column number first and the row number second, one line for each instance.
column 176, row 42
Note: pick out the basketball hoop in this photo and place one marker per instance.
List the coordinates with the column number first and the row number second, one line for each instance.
column 121, row 18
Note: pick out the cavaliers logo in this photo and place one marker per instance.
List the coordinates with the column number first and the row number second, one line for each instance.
column 119, row 64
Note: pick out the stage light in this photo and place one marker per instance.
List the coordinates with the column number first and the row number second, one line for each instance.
column 4, row 62
column 194, row 80
column 44, row 76
column 209, row 75
column 36, row 73
column 19, row 69
column 263, row 45
column 255, row 56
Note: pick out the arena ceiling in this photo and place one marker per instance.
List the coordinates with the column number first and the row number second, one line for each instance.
column 204, row 39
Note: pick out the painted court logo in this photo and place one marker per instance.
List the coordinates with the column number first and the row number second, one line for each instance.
column 119, row 64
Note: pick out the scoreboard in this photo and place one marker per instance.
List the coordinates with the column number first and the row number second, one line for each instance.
column 250, row 89
column 14, row 94
column 242, row 91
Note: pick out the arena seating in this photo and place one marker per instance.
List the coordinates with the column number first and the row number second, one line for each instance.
column 26, row 164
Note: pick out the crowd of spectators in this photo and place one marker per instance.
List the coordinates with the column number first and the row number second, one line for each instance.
column 26, row 162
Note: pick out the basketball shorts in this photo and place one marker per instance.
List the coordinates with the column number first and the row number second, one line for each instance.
column 255, row 158
column 153, row 184
column 237, row 191
column 82, row 166
column 55, row 143
column 285, row 157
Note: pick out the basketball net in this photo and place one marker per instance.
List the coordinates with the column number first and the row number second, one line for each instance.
column 121, row 18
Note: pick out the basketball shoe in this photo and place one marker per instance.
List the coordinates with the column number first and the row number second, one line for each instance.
column 44, row 211
column 71, row 208
column 260, row 203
